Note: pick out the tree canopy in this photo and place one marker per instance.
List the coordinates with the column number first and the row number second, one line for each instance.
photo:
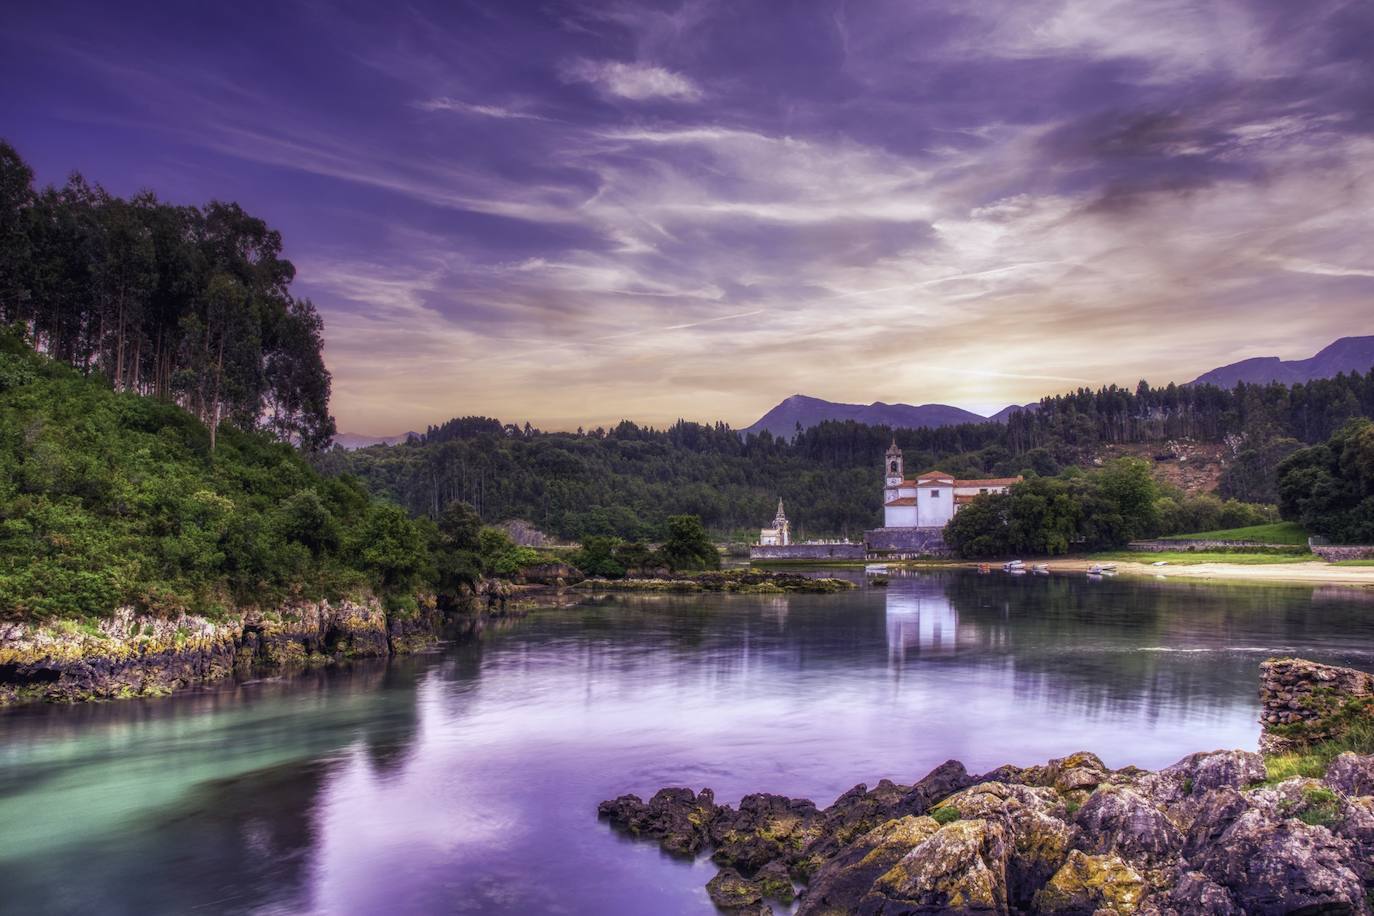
column 187, row 304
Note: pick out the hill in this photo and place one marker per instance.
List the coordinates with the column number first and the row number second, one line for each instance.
column 1348, row 355
column 806, row 412
column 114, row 499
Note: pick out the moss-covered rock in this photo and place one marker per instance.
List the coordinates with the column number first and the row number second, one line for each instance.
column 847, row 877
column 1086, row 883
column 961, row 868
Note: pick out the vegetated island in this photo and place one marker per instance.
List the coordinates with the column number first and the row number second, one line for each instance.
column 1287, row 830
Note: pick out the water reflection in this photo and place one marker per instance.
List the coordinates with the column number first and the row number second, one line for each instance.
column 466, row 781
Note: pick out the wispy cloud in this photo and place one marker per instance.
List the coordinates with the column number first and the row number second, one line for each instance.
column 635, row 81
column 444, row 103
column 506, row 207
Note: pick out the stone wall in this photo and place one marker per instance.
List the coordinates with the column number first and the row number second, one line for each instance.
column 906, row 543
column 1334, row 553
column 1169, row 545
column 807, row 552
column 1303, row 702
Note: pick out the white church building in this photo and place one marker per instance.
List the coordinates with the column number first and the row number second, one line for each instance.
column 929, row 500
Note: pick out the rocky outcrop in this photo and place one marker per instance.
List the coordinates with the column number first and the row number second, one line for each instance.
column 1209, row 834
column 129, row 654
column 1306, row 702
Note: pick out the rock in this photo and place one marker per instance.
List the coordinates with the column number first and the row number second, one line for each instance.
column 1116, row 819
column 1197, row 774
column 1035, row 821
column 961, row 868
column 848, row 876
column 941, row 782
column 766, row 827
column 1208, row 817
column 775, row 883
column 1352, row 774
column 1086, row 884
column 1283, row 866
column 1194, row 893
column 734, row 894
column 853, row 814
column 679, row 819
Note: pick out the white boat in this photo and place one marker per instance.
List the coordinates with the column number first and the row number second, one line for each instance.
column 1042, row 569
column 1102, row 569
column 875, row 569
column 1013, row 565
column 1160, row 563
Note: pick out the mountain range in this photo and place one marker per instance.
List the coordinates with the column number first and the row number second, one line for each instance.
column 1349, row 354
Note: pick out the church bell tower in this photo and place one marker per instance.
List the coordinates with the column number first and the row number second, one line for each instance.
column 895, row 473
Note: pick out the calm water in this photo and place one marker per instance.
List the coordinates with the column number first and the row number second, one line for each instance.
column 467, row 781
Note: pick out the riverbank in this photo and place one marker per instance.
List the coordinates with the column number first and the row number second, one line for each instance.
column 130, row 654
column 1193, row 566
column 1224, row 832
column 1315, row 571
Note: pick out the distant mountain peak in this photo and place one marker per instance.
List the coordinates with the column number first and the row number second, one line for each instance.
column 806, row 411
column 1348, row 354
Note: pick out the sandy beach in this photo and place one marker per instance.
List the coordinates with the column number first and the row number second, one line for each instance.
column 1303, row 571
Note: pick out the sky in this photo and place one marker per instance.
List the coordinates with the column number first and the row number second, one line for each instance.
column 570, row 213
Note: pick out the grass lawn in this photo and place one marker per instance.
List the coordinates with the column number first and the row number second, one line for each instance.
column 1353, row 563
column 1286, row 533
column 1193, row 558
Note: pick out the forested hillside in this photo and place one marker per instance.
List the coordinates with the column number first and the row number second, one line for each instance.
column 189, row 304
column 627, row 480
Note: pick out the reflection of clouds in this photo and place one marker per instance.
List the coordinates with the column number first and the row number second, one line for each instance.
column 373, row 830
column 920, row 619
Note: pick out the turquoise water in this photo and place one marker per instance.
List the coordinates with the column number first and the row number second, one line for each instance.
column 467, row 780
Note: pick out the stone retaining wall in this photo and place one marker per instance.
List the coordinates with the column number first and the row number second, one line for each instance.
column 1168, row 545
column 817, row 552
column 1304, row 701
column 906, row 543
column 1333, row 553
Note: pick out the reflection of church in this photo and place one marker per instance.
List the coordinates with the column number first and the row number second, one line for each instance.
column 920, row 618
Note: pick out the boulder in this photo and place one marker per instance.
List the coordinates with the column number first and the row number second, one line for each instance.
column 1352, row 774
column 1273, row 866
column 679, row 819
column 1035, row 822
column 1086, row 884
column 844, row 879
column 1193, row 893
column 853, row 814
column 961, row 868
column 766, row 827
column 1116, row 819
column 732, row 893
column 941, row 782
column 1197, row 774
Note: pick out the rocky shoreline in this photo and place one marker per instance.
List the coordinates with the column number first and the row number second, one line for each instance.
column 1213, row 833
column 130, row 654
column 740, row 581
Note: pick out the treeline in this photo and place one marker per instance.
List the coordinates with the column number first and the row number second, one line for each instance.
column 1088, row 510
column 1329, row 488
column 187, row 304
column 627, row 480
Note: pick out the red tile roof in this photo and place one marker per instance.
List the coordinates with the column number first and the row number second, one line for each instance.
column 989, row 482
column 903, row 501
